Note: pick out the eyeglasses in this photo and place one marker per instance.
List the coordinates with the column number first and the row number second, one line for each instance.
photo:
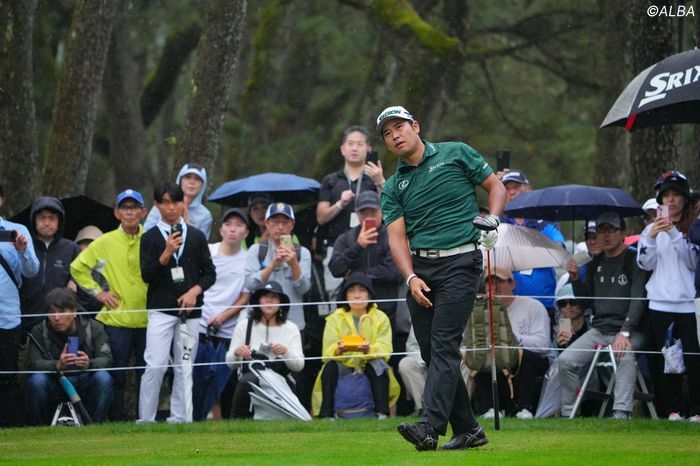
column 567, row 302
column 607, row 230
column 129, row 208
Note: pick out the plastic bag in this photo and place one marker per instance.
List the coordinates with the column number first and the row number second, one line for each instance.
column 673, row 354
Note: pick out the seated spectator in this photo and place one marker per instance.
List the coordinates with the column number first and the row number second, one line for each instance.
column 265, row 335
column 413, row 371
column 569, row 308
column 612, row 274
column 530, row 322
column 48, row 351
column 359, row 316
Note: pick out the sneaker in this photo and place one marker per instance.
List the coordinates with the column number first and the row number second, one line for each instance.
column 695, row 418
column 420, row 434
column 381, row 416
column 476, row 438
column 674, row 416
column 490, row 414
column 524, row 414
column 621, row 415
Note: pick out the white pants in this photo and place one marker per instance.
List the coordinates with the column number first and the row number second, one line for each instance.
column 697, row 316
column 162, row 333
column 413, row 373
column 332, row 283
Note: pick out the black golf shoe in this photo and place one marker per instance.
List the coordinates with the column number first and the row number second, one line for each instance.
column 420, row 434
column 476, row 438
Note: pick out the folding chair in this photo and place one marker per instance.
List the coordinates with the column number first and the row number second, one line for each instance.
column 609, row 366
column 73, row 414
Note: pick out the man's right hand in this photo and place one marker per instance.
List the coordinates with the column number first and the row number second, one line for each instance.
column 172, row 245
column 346, row 197
column 367, row 236
column 563, row 337
column 21, row 242
column 418, row 286
column 108, row 299
column 572, row 268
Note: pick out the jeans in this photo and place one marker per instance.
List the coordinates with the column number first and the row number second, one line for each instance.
column 124, row 342
column 44, row 393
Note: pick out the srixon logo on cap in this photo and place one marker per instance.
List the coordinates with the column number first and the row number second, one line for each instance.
column 389, row 113
column 664, row 82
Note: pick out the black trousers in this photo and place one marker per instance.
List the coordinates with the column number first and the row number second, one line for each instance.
column 9, row 389
column 668, row 388
column 329, row 381
column 453, row 282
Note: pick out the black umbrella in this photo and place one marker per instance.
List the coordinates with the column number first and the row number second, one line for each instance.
column 665, row 93
column 81, row 211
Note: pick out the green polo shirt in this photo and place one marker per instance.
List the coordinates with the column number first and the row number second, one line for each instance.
column 437, row 198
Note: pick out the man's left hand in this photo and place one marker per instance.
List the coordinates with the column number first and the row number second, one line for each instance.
column 621, row 345
column 488, row 239
column 189, row 299
column 82, row 360
column 375, row 172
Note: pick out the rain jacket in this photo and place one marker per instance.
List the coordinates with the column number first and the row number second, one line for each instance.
column 54, row 263
column 377, row 331
column 116, row 256
column 197, row 215
column 92, row 339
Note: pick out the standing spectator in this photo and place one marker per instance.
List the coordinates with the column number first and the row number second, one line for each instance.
column 530, row 324
column 18, row 260
column 288, row 265
column 430, row 201
column 264, row 334
column 177, row 266
column 86, row 236
column 611, row 275
column 223, row 303
column 193, row 181
column 335, row 212
column 534, row 282
column 115, row 257
column 257, row 208
column 664, row 250
column 49, row 351
column 55, row 255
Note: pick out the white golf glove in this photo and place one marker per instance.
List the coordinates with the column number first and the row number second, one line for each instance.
column 488, row 239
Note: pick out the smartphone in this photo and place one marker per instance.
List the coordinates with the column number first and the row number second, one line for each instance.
column 370, row 223
column 502, row 160
column 286, row 240
column 8, row 236
column 565, row 325
column 177, row 228
column 662, row 211
column 373, row 157
column 73, row 345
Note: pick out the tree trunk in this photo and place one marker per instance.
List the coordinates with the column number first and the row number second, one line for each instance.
column 693, row 165
column 18, row 152
column 217, row 55
column 122, row 84
column 70, row 138
column 655, row 149
column 611, row 143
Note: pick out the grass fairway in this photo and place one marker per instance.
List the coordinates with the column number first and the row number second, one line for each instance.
column 358, row 442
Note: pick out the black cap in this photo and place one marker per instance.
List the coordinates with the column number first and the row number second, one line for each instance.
column 358, row 278
column 672, row 180
column 367, row 200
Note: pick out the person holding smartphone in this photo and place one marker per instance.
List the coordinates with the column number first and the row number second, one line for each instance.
column 665, row 249
column 177, row 267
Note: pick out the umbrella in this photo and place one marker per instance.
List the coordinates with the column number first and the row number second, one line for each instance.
column 665, row 93
column 187, row 342
column 81, row 211
column 522, row 248
column 573, row 202
column 209, row 379
column 283, row 187
column 273, row 399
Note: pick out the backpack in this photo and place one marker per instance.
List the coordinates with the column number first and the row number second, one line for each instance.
column 353, row 397
column 265, row 245
column 478, row 336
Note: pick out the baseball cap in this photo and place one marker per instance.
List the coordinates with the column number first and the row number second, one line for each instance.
column 515, row 176
column 279, row 208
column 589, row 227
column 612, row 219
column 650, row 204
column 130, row 194
column 390, row 113
column 502, row 273
column 234, row 211
column 89, row 233
column 367, row 200
column 672, row 180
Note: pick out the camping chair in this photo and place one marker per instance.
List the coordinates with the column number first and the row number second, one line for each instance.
column 59, row 419
column 604, row 361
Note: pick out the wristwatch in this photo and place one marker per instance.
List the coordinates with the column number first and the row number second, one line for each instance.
column 625, row 334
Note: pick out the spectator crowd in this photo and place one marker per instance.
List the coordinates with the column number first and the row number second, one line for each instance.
column 121, row 312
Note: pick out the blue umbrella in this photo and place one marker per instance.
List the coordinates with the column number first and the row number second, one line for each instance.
column 573, row 202
column 283, row 187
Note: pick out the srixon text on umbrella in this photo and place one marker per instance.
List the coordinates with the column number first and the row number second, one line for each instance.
column 664, row 82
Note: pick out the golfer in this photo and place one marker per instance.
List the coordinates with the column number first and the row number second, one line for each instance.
column 429, row 206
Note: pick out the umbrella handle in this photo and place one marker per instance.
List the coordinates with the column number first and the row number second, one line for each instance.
column 494, row 383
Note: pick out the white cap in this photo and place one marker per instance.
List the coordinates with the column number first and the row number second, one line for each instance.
column 650, row 204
